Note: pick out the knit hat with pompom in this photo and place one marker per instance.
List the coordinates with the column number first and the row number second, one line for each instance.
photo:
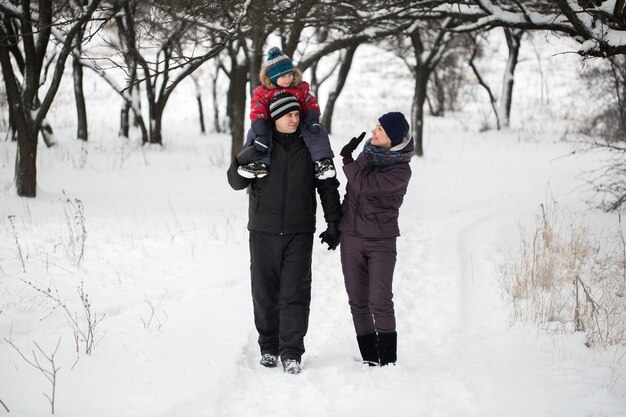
column 278, row 64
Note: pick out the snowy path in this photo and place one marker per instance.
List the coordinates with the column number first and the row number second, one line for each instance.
column 427, row 380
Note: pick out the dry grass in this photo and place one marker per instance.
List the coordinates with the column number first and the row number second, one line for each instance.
column 565, row 277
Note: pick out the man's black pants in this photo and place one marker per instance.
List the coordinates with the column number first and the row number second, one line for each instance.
column 280, row 267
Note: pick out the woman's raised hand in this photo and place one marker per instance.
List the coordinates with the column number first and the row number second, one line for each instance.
column 347, row 150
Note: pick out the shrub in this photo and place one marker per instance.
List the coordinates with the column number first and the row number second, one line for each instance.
column 565, row 277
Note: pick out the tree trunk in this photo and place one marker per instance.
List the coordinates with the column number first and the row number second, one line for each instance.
column 315, row 87
column 513, row 41
column 236, row 104
column 26, row 155
column 252, row 47
column 142, row 126
column 156, row 118
column 125, row 22
column 136, row 115
column 124, row 120
column 153, row 110
column 437, row 109
column 26, row 164
column 199, row 101
column 255, row 68
column 620, row 90
column 125, row 113
column 344, row 70
column 201, row 114
column 136, row 97
column 417, row 110
column 81, row 110
column 216, row 108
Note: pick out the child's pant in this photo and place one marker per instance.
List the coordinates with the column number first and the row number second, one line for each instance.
column 314, row 135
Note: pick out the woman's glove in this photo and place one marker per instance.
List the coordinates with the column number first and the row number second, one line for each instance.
column 347, row 150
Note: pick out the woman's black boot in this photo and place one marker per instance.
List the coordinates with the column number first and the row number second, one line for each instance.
column 367, row 346
column 387, row 345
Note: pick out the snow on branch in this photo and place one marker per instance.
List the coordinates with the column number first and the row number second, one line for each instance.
column 599, row 25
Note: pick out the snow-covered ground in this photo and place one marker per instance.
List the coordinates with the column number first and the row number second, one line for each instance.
column 166, row 267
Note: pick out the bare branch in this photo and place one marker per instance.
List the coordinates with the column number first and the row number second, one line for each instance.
column 50, row 372
column 348, row 42
column 4, row 406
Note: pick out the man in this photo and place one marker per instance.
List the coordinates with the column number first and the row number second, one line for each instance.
column 281, row 221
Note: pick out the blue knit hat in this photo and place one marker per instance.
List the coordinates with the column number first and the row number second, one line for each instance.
column 278, row 64
column 395, row 125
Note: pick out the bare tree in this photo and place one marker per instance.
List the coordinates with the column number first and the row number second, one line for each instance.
column 513, row 42
column 236, row 95
column 245, row 55
column 159, row 80
column 501, row 106
column 422, row 48
column 317, row 80
column 29, row 28
column 345, row 24
column 12, row 26
column 447, row 79
column 344, row 70
column 176, row 39
column 319, row 36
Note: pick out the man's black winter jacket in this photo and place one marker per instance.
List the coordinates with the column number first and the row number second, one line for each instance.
column 284, row 201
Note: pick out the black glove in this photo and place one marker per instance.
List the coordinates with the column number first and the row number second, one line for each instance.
column 347, row 150
column 248, row 155
column 331, row 236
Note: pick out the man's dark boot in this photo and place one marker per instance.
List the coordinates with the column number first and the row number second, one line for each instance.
column 367, row 346
column 387, row 344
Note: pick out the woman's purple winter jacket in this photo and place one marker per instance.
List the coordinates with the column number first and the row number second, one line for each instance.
column 373, row 197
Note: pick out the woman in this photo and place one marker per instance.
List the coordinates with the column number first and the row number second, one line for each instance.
column 377, row 183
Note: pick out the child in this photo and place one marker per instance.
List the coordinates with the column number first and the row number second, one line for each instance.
column 376, row 184
column 279, row 75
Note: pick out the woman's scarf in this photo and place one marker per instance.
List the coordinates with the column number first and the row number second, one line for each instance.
column 380, row 157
